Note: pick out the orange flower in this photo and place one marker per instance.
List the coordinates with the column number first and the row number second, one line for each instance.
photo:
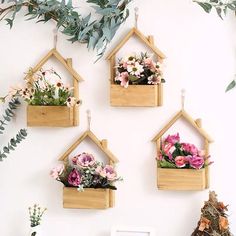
column 204, row 224
column 221, row 206
column 223, row 223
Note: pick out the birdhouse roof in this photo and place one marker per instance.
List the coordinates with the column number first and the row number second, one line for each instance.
column 100, row 144
column 61, row 59
column 135, row 32
column 190, row 120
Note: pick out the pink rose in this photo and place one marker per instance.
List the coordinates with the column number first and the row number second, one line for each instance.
column 196, row 162
column 168, row 149
column 180, row 161
column 57, row 171
column 85, row 160
column 173, row 139
column 150, row 64
column 109, row 173
column 74, row 178
column 74, row 160
column 191, row 148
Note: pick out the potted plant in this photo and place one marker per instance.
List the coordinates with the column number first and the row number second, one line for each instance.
column 36, row 214
column 87, row 182
column 50, row 101
column 138, row 81
column 181, row 166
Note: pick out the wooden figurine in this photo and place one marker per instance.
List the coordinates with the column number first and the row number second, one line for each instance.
column 90, row 198
column 183, row 179
column 55, row 116
column 135, row 95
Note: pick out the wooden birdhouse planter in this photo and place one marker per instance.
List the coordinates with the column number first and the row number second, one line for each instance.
column 55, row 116
column 183, row 179
column 90, row 198
column 135, row 95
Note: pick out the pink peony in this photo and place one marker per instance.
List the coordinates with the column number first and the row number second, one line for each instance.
column 191, row 148
column 180, row 161
column 123, row 77
column 57, row 171
column 74, row 178
column 85, row 160
column 109, row 173
column 196, row 162
column 172, row 139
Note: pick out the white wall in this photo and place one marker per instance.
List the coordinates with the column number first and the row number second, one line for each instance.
column 201, row 58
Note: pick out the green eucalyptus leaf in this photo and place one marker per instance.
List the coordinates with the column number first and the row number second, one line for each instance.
column 231, row 86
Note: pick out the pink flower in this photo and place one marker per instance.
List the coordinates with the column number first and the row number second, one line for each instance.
column 109, row 173
column 74, row 178
column 154, row 79
column 191, row 148
column 98, row 170
column 168, row 149
column 57, row 171
column 180, row 161
column 74, row 160
column 196, row 162
column 123, row 77
column 150, row 64
column 173, row 139
column 85, row 160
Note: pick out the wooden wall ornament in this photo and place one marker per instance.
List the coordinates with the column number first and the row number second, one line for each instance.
column 55, row 116
column 135, row 95
column 91, row 198
column 183, row 179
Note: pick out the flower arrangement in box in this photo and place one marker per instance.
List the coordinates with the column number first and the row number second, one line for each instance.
column 175, row 154
column 138, row 70
column 45, row 88
column 83, row 171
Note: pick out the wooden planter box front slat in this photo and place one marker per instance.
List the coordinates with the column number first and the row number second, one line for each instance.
column 181, row 179
column 90, row 198
column 136, row 95
column 51, row 116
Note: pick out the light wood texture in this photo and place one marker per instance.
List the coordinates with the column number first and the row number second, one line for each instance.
column 112, row 69
column 189, row 119
column 89, row 199
column 207, row 172
column 135, row 95
column 91, row 135
column 135, row 32
column 59, row 57
column 50, row 116
column 76, row 95
column 181, row 179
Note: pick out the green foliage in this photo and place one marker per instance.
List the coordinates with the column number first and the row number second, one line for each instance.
column 220, row 6
column 35, row 214
column 231, row 86
column 95, row 33
column 7, row 116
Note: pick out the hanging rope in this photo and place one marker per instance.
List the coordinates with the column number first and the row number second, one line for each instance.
column 55, row 31
column 136, row 16
column 89, row 118
column 183, row 93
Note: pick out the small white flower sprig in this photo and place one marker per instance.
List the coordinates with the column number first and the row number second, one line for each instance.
column 44, row 88
column 35, row 214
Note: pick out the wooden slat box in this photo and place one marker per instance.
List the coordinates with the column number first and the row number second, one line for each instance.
column 90, row 198
column 181, row 179
column 136, row 95
column 51, row 116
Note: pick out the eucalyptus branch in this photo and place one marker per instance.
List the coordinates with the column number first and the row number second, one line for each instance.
column 6, row 118
column 96, row 34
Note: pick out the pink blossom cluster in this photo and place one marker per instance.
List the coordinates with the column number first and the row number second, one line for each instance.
column 84, row 171
column 180, row 155
column 142, row 69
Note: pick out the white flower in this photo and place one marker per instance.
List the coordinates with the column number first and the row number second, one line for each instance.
column 135, row 69
column 130, row 59
column 154, row 79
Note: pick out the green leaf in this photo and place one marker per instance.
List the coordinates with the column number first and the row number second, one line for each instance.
column 165, row 164
column 206, row 6
column 9, row 22
column 133, row 78
column 231, row 86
